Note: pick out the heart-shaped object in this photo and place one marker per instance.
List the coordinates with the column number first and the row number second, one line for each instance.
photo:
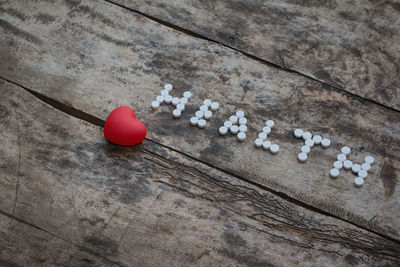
column 122, row 127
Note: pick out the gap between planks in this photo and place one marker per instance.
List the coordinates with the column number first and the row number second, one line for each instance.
column 99, row 122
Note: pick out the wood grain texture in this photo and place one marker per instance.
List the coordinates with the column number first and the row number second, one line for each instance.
column 352, row 45
column 97, row 56
column 150, row 206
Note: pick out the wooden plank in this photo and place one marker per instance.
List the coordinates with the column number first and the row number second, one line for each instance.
column 151, row 206
column 350, row 45
column 96, row 56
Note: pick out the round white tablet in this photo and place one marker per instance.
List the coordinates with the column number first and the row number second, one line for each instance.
column 201, row 123
column 228, row 124
column 346, row 150
column 334, row 173
column 347, row 164
column 338, row 164
column 341, row 157
column 155, row 105
column 266, row 129
column 234, row 129
column 369, row 159
column 325, row 142
column 258, row 142
column 199, row 114
column 207, row 102
column 203, row 107
column 180, row 106
column 302, row 157
column 274, row 148
column 183, row 100
column 241, row 136
column 223, row 130
column 168, row 87
column 164, row 92
column 270, row 123
column 305, row 149
column 160, row 99
column 262, row 135
column 194, row 120
column 242, row 128
column 358, row 181
column 366, row 166
column 266, row 145
column 309, row 142
column 298, row 133
column 239, row 114
column 214, row 106
column 175, row 101
column 243, row 121
column 176, row 113
column 362, row 174
column 355, row 168
column 187, row 94
column 233, row 119
column 167, row 99
column 207, row 114
column 317, row 139
column 307, row 135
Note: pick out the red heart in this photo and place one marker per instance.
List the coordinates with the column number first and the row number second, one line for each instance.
column 122, row 127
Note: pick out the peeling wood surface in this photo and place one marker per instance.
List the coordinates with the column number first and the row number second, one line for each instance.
column 101, row 204
column 352, row 45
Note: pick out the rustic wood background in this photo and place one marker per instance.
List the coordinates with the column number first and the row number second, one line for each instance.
column 187, row 196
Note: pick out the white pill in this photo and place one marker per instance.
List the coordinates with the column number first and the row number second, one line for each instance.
column 305, row 149
column 201, row 123
column 346, row 150
column 228, row 124
column 207, row 102
column 239, row 114
column 262, row 135
column 325, row 142
column 258, row 142
column 155, row 105
column 366, row 166
column 309, row 142
column 164, row 92
column 355, row 168
column 266, row 145
column 334, row 173
column 187, row 94
column 241, row 136
column 362, row 173
column 168, row 87
column 234, row 129
column 302, row 157
column 203, row 108
column 175, row 101
column 183, row 100
column 347, row 164
column 242, row 121
column 243, row 128
column 207, row 114
column 274, row 148
column 358, row 181
column 160, row 99
column 266, row 129
column 341, row 157
column 214, row 106
column 270, row 123
column 338, row 164
column 167, row 99
column 194, row 120
column 369, row 159
column 307, row 135
column 176, row 113
column 199, row 114
column 233, row 119
column 298, row 133
column 223, row 130
column 180, row 106
column 317, row 139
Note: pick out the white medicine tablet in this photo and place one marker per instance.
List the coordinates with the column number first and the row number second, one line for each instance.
column 214, row 106
column 346, row 150
column 358, row 181
column 362, row 174
column 270, row 123
column 298, row 133
column 274, row 148
column 369, row 159
column 168, row 87
column 366, row 166
column 207, row 102
column 266, row 129
column 242, row 128
column 305, row 149
column 338, row 164
column 194, row 120
column 233, row 119
column 302, row 157
column 183, row 100
column 187, row 94
column 341, row 157
column 239, row 114
column 309, row 142
column 258, row 142
column 266, row 145
column 262, row 135
column 317, row 139
column 180, row 106
column 203, row 107
column 241, row 136
column 355, row 168
column 347, row 164
column 199, row 114
column 334, row 173
column 307, row 135
column 164, row 92
column 155, row 105
column 160, row 99
column 325, row 142
column 223, row 130
column 167, row 99
column 228, row 124
column 207, row 114
column 176, row 113
column 175, row 101
column 234, row 129
column 201, row 123
column 242, row 121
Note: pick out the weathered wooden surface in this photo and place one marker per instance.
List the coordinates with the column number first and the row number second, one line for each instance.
column 352, row 45
column 96, row 56
column 149, row 205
